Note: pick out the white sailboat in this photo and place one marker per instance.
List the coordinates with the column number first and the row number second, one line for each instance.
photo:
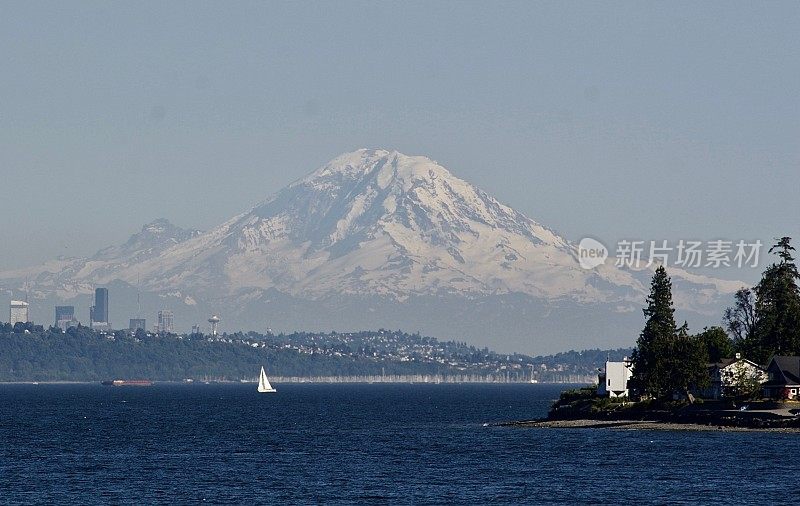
column 263, row 383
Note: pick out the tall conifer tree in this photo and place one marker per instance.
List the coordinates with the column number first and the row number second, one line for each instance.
column 777, row 307
column 651, row 370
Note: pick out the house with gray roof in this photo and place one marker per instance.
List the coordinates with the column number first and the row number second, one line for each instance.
column 784, row 378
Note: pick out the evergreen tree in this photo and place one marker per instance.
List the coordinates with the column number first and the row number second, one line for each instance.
column 777, row 308
column 651, row 374
column 740, row 321
column 716, row 343
column 687, row 359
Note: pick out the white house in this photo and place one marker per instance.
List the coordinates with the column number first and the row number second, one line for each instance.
column 733, row 376
column 613, row 381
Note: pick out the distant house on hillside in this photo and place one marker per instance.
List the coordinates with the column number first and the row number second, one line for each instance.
column 784, row 378
column 733, row 376
column 613, row 380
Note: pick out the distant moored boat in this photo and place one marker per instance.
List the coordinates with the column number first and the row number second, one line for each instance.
column 263, row 383
column 127, row 383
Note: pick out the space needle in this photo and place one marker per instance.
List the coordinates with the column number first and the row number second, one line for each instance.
column 214, row 321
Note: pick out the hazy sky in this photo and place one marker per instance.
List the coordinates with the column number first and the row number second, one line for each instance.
column 668, row 120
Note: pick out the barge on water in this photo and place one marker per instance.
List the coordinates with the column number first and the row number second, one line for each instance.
column 127, row 383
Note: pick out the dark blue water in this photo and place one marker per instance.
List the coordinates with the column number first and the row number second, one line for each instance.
column 378, row 444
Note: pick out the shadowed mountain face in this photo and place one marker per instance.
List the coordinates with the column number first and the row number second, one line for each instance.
column 154, row 238
column 377, row 238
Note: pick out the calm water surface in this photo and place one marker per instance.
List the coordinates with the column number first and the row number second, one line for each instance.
column 376, row 444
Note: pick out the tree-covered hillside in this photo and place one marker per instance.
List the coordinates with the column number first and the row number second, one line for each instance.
column 31, row 353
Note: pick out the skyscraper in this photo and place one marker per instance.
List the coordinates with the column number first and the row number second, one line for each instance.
column 136, row 324
column 166, row 321
column 100, row 306
column 98, row 313
column 18, row 312
column 64, row 316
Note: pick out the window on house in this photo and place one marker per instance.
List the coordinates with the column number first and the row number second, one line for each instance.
column 609, row 382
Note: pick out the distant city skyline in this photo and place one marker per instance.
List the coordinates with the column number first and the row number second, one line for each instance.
column 65, row 316
column 614, row 121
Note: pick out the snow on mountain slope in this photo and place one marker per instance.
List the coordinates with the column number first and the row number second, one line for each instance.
column 379, row 222
column 371, row 222
column 67, row 277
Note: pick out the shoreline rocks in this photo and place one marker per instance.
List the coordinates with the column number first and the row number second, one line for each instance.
column 714, row 423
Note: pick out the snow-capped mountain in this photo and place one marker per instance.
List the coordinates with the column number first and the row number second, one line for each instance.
column 154, row 238
column 374, row 229
column 67, row 277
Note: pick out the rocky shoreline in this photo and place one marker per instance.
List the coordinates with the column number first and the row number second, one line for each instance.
column 649, row 425
column 583, row 408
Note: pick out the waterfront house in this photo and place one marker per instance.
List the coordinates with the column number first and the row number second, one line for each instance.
column 613, row 379
column 784, row 378
column 733, row 376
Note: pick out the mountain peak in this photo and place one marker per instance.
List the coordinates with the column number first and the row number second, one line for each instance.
column 163, row 229
column 154, row 237
column 376, row 220
column 385, row 166
column 158, row 226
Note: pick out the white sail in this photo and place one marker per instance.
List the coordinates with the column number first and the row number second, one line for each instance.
column 263, row 382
